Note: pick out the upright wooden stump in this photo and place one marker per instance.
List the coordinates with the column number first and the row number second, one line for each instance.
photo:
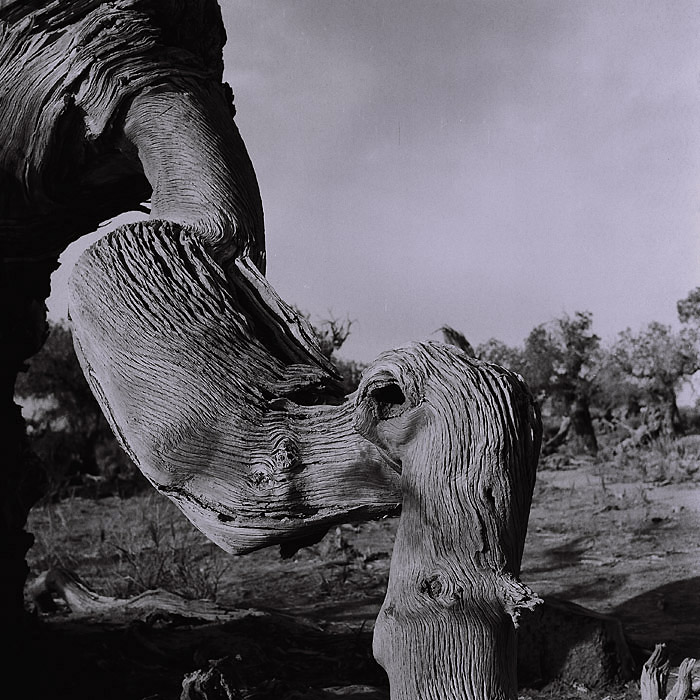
column 465, row 436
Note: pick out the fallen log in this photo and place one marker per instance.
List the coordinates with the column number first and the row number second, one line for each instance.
column 81, row 600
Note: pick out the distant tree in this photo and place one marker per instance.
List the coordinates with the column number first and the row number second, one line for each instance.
column 499, row 353
column 619, row 396
column 689, row 308
column 331, row 334
column 54, row 380
column 561, row 360
column 540, row 355
column 66, row 427
column 659, row 360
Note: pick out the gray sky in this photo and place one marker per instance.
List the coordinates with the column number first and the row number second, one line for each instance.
column 488, row 165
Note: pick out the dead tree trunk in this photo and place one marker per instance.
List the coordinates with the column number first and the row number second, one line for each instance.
column 67, row 72
column 220, row 421
column 216, row 387
column 465, row 436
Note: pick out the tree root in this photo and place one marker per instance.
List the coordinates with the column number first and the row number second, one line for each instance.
column 655, row 677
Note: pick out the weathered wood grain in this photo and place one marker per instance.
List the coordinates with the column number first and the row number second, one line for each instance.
column 69, row 72
column 465, row 436
column 194, row 383
column 215, row 386
column 97, row 97
column 654, row 679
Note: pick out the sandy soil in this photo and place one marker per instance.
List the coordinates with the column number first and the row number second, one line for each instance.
column 630, row 549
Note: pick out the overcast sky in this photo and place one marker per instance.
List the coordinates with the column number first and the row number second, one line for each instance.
column 489, row 165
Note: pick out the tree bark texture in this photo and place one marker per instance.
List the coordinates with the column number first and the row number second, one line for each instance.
column 654, row 679
column 201, row 399
column 216, row 387
column 465, row 436
column 83, row 86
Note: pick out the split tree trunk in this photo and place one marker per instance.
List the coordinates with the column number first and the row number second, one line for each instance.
column 465, row 436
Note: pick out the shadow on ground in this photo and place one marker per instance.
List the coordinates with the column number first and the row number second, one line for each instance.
column 669, row 613
column 276, row 655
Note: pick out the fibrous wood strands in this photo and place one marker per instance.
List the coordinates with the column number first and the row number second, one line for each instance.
column 215, row 386
column 655, row 677
column 465, row 436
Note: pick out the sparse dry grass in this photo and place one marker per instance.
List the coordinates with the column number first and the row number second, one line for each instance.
column 124, row 547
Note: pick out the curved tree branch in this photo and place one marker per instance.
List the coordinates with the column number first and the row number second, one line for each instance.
column 217, row 387
column 196, row 162
column 238, row 438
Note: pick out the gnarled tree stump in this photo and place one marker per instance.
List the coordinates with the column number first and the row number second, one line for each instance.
column 465, row 436
column 215, row 386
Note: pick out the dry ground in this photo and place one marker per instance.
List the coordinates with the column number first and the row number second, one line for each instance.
column 598, row 537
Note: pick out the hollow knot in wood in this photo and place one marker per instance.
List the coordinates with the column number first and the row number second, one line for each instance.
column 439, row 589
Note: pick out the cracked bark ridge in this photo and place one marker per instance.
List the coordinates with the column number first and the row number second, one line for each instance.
column 465, row 437
column 69, row 71
column 189, row 364
column 71, row 74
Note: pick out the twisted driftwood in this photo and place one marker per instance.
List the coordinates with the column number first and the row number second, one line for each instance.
column 215, row 386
